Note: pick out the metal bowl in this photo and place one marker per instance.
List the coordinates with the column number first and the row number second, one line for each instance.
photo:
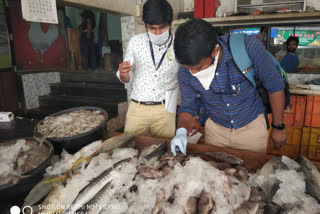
column 11, row 191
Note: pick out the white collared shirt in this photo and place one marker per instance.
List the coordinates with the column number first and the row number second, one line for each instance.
column 149, row 84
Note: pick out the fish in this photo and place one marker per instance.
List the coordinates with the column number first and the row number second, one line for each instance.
column 272, row 208
column 312, row 177
column 110, row 144
column 206, row 203
column 95, row 205
column 106, row 146
column 29, row 160
column 68, row 124
column 220, row 166
column 158, row 151
column 160, row 197
column 270, row 187
column 149, row 172
column 40, row 190
column 94, row 186
column 254, row 194
column 247, row 207
column 115, row 142
column 224, row 157
column 191, row 206
column 242, row 173
column 99, row 203
column 230, row 171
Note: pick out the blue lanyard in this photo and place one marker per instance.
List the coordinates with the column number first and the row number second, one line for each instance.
column 152, row 54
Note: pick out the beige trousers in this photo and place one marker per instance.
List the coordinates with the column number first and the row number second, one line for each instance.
column 253, row 137
column 150, row 120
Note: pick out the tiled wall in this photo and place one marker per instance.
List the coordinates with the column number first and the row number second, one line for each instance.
column 37, row 84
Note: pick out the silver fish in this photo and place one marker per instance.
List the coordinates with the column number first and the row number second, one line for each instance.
column 224, row 157
column 40, row 190
column 158, row 151
column 106, row 146
column 95, row 205
column 89, row 191
column 312, row 177
column 115, row 142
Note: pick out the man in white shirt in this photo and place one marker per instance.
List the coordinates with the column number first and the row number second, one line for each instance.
column 151, row 68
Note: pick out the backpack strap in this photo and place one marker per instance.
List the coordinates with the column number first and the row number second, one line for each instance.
column 241, row 57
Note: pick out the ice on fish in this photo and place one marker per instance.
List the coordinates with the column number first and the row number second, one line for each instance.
column 20, row 158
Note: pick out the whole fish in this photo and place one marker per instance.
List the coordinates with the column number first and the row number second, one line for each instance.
column 89, row 191
column 106, row 146
column 40, row 190
column 312, row 177
column 159, row 150
column 114, row 142
column 96, row 204
column 224, row 157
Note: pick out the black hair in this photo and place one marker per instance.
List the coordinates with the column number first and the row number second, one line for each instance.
column 156, row 12
column 87, row 14
column 293, row 38
column 194, row 40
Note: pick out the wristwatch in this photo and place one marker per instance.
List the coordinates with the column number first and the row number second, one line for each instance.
column 279, row 127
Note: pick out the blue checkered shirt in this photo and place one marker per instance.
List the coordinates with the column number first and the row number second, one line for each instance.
column 231, row 101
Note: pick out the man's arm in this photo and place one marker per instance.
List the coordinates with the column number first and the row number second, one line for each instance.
column 273, row 82
column 277, row 137
column 189, row 107
column 126, row 69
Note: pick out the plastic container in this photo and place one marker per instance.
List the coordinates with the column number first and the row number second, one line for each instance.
column 14, row 191
column 75, row 143
column 312, row 115
column 199, row 8
column 292, row 146
column 310, row 143
column 209, row 8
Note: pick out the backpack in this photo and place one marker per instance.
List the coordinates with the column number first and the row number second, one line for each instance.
column 244, row 64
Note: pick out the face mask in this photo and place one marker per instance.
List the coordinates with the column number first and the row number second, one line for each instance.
column 159, row 39
column 207, row 75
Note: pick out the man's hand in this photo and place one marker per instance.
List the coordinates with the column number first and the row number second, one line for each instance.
column 124, row 69
column 187, row 121
column 278, row 138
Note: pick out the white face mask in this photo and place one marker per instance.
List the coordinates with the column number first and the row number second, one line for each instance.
column 207, row 75
column 159, row 39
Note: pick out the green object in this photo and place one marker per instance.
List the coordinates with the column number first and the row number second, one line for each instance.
column 5, row 60
column 306, row 38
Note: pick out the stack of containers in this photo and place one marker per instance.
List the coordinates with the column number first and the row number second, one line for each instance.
column 310, row 142
column 204, row 8
column 294, row 117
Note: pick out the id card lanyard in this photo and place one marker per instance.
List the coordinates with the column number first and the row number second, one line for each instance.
column 162, row 58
